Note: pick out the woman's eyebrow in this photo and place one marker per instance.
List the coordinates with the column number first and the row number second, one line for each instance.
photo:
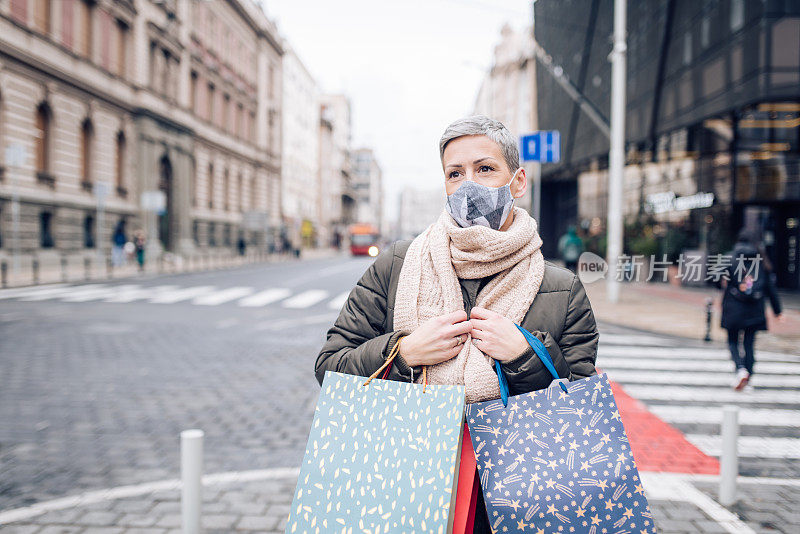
column 474, row 162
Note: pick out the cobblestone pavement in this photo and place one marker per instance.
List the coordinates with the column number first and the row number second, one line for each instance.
column 94, row 395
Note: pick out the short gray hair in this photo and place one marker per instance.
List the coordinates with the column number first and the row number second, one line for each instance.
column 483, row 125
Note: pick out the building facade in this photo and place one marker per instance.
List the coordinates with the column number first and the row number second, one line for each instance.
column 167, row 113
column 337, row 204
column 712, row 126
column 367, row 186
column 419, row 208
column 300, row 160
column 508, row 91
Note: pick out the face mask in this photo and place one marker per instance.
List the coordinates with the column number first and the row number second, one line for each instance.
column 473, row 203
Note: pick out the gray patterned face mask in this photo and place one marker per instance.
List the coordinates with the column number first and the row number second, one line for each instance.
column 473, row 203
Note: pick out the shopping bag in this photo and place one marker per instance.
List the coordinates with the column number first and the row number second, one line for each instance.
column 468, row 487
column 558, row 459
column 381, row 457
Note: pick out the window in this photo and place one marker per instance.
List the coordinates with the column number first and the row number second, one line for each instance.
column 88, row 231
column 705, row 32
column 226, row 106
column 737, row 14
column 687, row 48
column 43, row 134
column 251, row 126
column 212, row 238
column 253, row 192
column 226, row 187
column 84, row 33
column 193, row 92
column 120, row 163
column 211, row 186
column 196, row 232
column 211, row 97
column 45, row 230
column 239, row 120
column 87, row 136
column 1, row 226
column 41, row 15
column 240, row 192
column 226, row 235
column 122, row 45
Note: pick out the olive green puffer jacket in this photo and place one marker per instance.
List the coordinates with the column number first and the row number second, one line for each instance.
column 561, row 317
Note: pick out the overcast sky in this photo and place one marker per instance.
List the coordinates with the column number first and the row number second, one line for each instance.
column 410, row 68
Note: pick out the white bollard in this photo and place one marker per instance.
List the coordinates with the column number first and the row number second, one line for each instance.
column 729, row 457
column 191, row 478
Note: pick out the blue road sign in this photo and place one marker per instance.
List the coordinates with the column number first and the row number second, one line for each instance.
column 544, row 146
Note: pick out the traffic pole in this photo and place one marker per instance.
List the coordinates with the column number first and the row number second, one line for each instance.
column 191, row 479
column 729, row 458
column 616, row 155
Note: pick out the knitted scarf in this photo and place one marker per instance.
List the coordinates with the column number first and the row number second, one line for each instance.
column 429, row 287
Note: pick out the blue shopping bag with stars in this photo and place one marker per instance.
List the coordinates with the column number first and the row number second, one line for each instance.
column 558, row 460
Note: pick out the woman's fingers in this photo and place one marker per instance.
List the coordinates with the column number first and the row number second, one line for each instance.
column 464, row 327
column 481, row 313
column 455, row 317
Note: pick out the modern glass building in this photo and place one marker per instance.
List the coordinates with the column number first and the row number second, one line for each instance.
column 712, row 129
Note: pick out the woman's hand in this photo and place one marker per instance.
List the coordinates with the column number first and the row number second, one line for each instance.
column 496, row 336
column 436, row 340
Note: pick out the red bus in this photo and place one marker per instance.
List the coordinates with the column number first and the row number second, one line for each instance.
column 364, row 240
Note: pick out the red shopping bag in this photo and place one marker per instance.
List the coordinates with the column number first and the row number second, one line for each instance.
column 467, row 490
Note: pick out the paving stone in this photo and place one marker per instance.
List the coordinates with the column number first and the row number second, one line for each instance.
column 259, row 523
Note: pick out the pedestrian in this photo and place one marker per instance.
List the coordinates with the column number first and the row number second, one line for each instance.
column 118, row 240
column 570, row 247
column 747, row 285
column 241, row 245
column 139, row 242
column 451, row 297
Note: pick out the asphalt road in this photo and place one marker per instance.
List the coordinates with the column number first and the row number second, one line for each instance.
column 98, row 380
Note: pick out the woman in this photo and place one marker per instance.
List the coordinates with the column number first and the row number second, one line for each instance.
column 748, row 283
column 451, row 296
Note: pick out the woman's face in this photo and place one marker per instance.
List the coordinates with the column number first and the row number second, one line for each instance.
column 478, row 158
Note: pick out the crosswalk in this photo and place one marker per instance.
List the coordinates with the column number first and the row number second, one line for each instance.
column 687, row 387
column 200, row 295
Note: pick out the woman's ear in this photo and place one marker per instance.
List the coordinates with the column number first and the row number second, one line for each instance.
column 519, row 184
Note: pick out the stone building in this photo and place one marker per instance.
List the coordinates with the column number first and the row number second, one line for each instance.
column 336, row 206
column 120, row 98
column 367, row 185
column 300, row 161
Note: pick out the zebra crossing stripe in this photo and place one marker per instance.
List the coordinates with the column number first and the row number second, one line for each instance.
column 25, row 291
column 305, row 299
column 338, row 301
column 637, row 340
column 716, row 395
column 96, row 293
column 750, row 446
column 46, row 294
column 698, row 364
column 684, row 353
column 186, row 293
column 707, row 415
column 626, row 377
column 265, row 297
column 224, row 295
column 130, row 295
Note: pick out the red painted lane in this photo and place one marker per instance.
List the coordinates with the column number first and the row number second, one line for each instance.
column 656, row 445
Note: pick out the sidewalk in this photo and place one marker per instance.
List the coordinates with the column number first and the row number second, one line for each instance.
column 681, row 311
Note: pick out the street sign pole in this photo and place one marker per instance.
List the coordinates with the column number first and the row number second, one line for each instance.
column 539, row 147
column 616, row 156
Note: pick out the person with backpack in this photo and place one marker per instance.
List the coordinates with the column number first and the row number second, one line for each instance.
column 747, row 285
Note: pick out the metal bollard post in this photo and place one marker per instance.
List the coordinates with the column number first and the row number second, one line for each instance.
column 35, row 270
column 729, row 460
column 4, row 274
column 709, row 303
column 63, row 268
column 109, row 268
column 87, row 268
column 191, row 480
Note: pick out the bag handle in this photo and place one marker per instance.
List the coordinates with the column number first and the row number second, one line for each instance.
column 541, row 351
column 386, row 366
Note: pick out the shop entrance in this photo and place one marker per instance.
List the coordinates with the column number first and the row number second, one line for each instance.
column 779, row 227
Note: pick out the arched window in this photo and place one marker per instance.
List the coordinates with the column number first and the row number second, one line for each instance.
column 121, row 156
column 43, row 137
column 87, row 136
column 253, row 192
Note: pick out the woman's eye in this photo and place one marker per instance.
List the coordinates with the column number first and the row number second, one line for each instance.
column 452, row 175
column 486, row 167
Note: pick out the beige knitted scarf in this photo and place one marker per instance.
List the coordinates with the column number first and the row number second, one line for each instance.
column 428, row 287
